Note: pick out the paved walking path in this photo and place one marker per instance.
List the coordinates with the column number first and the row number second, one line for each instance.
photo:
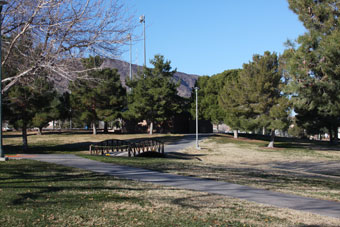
column 322, row 207
column 187, row 141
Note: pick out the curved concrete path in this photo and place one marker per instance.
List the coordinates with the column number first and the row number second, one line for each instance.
column 322, row 207
column 187, row 141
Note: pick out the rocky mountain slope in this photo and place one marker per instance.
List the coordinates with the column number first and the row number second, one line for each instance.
column 187, row 81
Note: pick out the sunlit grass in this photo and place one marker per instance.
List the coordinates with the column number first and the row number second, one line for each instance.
column 40, row 194
column 303, row 171
column 69, row 142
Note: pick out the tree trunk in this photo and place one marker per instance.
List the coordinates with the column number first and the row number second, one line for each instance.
column 39, row 130
column 335, row 141
column 105, row 127
column 53, row 125
column 24, row 138
column 94, row 128
column 236, row 134
column 217, row 128
column 264, row 131
column 151, row 128
column 330, row 135
column 272, row 138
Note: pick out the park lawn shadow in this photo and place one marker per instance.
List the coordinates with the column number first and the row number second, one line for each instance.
column 183, row 156
column 307, row 145
column 167, row 139
column 77, row 146
column 280, row 142
column 45, row 132
column 31, row 182
column 48, row 149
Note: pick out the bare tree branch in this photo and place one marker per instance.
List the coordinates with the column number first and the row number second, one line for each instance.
column 52, row 35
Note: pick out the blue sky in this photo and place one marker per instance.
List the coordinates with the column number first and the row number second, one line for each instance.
column 207, row 37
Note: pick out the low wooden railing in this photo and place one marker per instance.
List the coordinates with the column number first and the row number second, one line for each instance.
column 148, row 145
column 108, row 147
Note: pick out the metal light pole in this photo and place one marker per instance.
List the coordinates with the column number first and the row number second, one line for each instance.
column 197, row 146
column 130, row 38
column 142, row 20
column 2, row 154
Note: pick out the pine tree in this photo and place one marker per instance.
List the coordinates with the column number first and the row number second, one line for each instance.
column 253, row 99
column 28, row 104
column 111, row 96
column 154, row 94
column 214, row 88
column 102, row 98
column 229, row 100
column 84, row 102
column 64, row 109
column 208, row 94
column 203, row 99
column 313, row 67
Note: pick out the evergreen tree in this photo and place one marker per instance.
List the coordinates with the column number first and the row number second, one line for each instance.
column 29, row 104
column 154, row 94
column 230, row 103
column 254, row 100
column 111, row 96
column 64, row 107
column 313, row 67
column 83, row 98
column 208, row 93
column 84, row 102
column 203, row 99
column 102, row 98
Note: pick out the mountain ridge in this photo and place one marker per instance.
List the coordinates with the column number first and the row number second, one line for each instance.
column 187, row 81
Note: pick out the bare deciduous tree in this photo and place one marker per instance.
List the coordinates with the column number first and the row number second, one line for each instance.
column 51, row 35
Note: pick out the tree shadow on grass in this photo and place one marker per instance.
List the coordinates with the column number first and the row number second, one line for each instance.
column 48, row 149
column 165, row 139
column 77, row 147
column 40, row 184
column 183, row 156
column 308, row 145
column 282, row 142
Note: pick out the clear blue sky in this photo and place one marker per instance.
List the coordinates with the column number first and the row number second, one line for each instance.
column 207, row 37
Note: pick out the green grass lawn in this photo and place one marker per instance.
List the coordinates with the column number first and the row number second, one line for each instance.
column 40, row 194
column 70, row 142
column 289, row 169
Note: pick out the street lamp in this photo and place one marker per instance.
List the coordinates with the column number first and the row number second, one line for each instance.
column 2, row 154
column 197, row 146
column 142, row 20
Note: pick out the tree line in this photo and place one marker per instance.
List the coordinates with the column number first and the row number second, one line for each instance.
column 151, row 95
column 259, row 97
column 304, row 79
column 247, row 99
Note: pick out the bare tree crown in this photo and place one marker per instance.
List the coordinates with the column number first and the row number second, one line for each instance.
column 52, row 35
